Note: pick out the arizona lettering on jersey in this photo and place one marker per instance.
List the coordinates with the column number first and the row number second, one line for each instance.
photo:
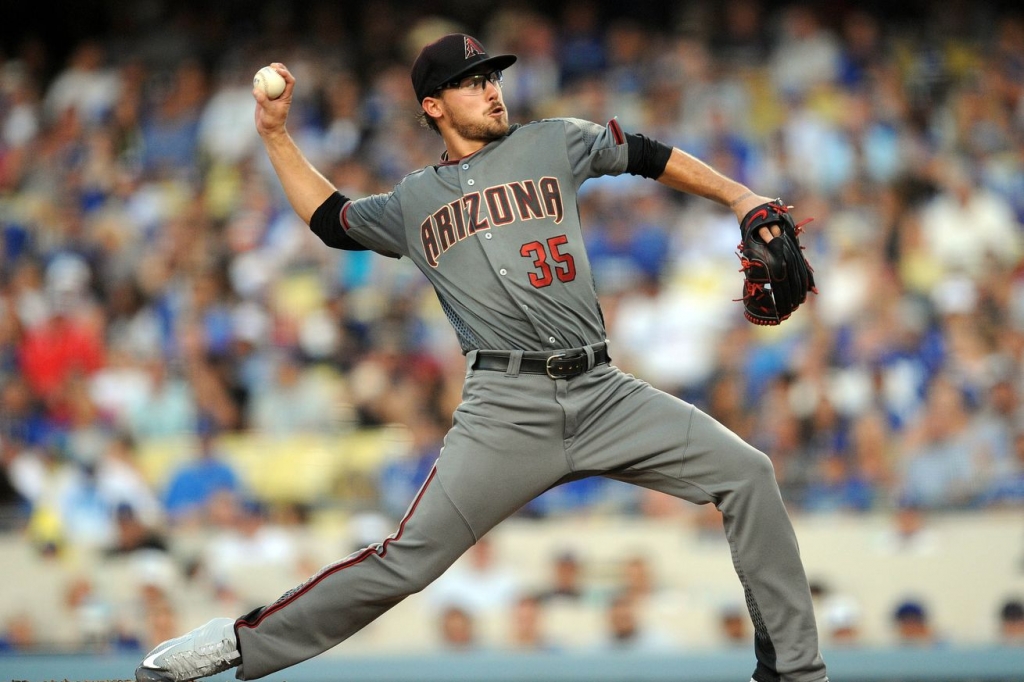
column 516, row 200
column 492, row 207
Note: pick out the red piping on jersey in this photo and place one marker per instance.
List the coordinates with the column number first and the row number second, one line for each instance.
column 344, row 210
column 364, row 554
column 445, row 161
column 617, row 133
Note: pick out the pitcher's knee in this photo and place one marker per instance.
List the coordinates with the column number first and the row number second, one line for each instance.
column 756, row 469
column 761, row 466
column 751, row 481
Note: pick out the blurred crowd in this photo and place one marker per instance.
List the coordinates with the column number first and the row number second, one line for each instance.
column 155, row 283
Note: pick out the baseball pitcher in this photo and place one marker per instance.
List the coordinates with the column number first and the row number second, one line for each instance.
column 495, row 229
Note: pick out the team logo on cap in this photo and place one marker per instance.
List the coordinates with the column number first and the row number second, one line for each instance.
column 473, row 48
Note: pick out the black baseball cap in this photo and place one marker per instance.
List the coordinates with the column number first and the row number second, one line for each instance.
column 449, row 58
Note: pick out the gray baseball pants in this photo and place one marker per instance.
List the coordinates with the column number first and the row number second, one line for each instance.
column 513, row 437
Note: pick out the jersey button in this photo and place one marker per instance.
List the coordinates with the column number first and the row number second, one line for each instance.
column 488, row 235
column 465, row 166
column 471, row 181
column 503, row 272
column 551, row 339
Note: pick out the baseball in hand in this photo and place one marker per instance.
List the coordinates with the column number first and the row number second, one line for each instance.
column 269, row 81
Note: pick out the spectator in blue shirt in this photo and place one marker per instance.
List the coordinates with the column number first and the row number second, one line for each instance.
column 195, row 483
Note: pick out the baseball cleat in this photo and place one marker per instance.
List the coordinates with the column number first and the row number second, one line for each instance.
column 207, row 650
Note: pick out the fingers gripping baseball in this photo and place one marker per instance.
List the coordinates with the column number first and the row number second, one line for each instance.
column 272, row 113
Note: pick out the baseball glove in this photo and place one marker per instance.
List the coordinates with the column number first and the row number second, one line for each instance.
column 776, row 274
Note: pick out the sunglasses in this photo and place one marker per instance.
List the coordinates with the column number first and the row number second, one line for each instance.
column 475, row 84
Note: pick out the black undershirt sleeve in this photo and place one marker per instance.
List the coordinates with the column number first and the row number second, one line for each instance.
column 647, row 157
column 326, row 224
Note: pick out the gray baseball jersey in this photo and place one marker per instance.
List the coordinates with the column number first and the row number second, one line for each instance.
column 498, row 235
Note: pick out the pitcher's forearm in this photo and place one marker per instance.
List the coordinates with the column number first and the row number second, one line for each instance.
column 303, row 184
column 689, row 174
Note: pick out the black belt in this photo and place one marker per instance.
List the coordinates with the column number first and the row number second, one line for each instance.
column 560, row 365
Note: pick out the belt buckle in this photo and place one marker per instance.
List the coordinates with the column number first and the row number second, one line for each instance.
column 547, row 364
